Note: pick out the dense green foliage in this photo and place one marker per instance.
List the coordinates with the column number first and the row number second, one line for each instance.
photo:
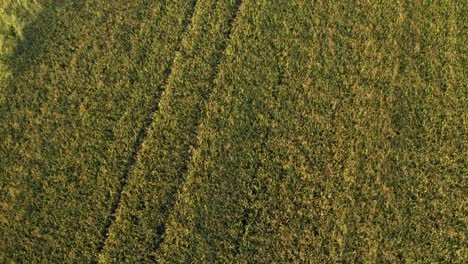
column 236, row 131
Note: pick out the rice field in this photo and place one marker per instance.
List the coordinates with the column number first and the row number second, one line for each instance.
column 233, row 131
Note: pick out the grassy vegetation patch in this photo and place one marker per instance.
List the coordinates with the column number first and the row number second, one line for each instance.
column 330, row 139
column 234, row 131
column 162, row 161
column 85, row 78
column 14, row 16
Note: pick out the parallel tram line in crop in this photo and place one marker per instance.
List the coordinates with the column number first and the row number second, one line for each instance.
column 142, row 135
column 235, row 131
column 195, row 230
column 161, row 164
column 87, row 76
column 232, row 22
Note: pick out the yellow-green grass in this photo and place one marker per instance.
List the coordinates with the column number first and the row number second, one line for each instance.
column 14, row 16
column 336, row 134
column 161, row 164
column 294, row 132
column 85, row 80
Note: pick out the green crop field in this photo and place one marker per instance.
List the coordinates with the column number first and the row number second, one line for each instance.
column 233, row 131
